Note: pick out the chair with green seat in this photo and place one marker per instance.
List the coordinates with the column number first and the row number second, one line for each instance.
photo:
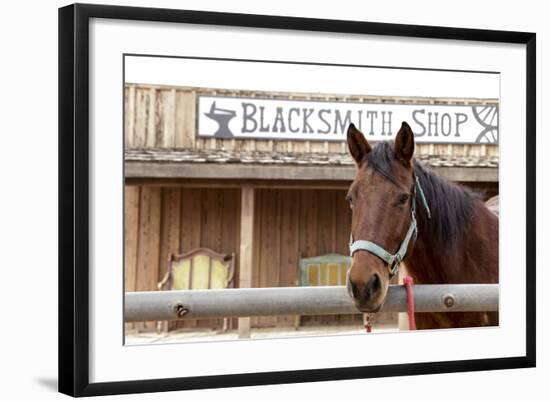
column 329, row 269
column 198, row 269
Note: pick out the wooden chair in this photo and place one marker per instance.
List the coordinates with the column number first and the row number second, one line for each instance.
column 199, row 269
column 330, row 269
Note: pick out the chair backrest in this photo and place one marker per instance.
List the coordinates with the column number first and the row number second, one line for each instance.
column 201, row 268
column 330, row 269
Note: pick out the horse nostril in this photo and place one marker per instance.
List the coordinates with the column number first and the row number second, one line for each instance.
column 365, row 293
column 373, row 286
column 354, row 290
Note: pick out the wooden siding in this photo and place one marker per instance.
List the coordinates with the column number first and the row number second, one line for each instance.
column 287, row 223
column 165, row 117
column 160, row 221
column 294, row 223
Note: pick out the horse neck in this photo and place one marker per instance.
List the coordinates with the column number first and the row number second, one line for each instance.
column 468, row 260
column 427, row 265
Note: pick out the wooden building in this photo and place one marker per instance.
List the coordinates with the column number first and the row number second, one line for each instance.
column 270, row 201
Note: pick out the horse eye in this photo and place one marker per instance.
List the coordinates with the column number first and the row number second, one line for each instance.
column 348, row 198
column 403, row 198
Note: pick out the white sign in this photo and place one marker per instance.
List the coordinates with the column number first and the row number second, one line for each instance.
column 280, row 119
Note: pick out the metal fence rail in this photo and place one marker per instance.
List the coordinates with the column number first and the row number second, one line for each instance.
column 241, row 302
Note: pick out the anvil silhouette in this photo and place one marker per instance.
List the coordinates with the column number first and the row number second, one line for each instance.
column 222, row 117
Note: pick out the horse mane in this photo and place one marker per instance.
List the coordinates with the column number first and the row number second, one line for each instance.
column 451, row 205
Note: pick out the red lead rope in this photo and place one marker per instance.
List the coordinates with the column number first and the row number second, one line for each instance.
column 408, row 283
column 367, row 322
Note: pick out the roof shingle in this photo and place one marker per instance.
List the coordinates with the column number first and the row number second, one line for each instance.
column 220, row 156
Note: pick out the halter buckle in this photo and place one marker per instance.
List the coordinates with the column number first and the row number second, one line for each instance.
column 393, row 267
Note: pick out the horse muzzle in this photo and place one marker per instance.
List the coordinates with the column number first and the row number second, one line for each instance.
column 367, row 297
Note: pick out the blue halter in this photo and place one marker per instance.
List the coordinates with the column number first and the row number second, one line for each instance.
column 394, row 260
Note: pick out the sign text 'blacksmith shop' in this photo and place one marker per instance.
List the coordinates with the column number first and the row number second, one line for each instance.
column 280, row 119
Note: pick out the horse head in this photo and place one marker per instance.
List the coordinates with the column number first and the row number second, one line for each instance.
column 382, row 198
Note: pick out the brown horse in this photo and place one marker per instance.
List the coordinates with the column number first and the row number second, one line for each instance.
column 456, row 238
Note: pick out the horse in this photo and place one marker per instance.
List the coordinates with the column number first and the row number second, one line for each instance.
column 403, row 212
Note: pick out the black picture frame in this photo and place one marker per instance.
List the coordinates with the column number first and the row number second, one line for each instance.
column 74, row 198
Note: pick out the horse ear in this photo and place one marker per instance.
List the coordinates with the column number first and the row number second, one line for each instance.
column 404, row 144
column 357, row 144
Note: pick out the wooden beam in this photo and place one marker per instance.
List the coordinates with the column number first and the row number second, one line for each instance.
column 468, row 174
column 157, row 170
column 246, row 250
column 237, row 171
column 235, row 183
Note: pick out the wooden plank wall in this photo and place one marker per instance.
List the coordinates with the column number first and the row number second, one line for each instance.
column 165, row 117
column 290, row 223
column 161, row 220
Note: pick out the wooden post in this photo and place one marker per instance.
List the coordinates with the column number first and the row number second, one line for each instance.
column 402, row 317
column 246, row 249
